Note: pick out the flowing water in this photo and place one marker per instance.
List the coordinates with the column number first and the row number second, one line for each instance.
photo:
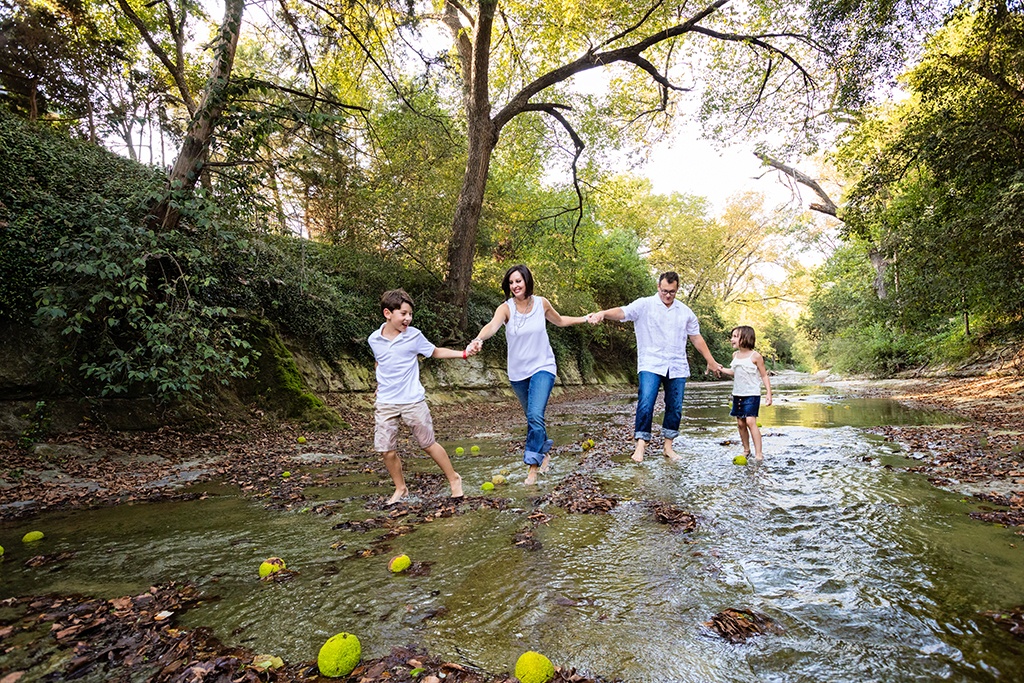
column 871, row 573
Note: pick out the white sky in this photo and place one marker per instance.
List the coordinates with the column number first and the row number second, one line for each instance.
column 695, row 166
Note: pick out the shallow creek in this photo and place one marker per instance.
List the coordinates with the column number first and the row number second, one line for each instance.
column 871, row 573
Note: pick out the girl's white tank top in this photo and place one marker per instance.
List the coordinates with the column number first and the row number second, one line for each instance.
column 529, row 350
column 747, row 379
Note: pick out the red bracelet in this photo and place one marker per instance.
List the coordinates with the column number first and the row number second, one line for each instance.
column 464, row 356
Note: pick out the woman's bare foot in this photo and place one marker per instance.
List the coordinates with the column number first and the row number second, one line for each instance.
column 398, row 495
column 544, row 466
column 531, row 476
column 456, row 485
column 758, row 457
column 670, row 453
column 638, row 453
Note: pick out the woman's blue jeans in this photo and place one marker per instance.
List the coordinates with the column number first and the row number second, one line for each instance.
column 647, row 393
column 533, row 394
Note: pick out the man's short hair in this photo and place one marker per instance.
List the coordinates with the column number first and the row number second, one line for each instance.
column 393, row 299
column 671, row 277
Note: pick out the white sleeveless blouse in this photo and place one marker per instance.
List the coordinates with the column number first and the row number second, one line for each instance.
column 746, row 379
column 529, row 350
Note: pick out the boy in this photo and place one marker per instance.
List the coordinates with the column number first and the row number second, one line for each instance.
column 400, row 396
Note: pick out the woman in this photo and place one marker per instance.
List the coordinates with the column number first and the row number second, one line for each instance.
column 531, row 362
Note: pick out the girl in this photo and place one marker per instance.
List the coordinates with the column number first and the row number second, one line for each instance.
column 746, row 365
column 531, row 362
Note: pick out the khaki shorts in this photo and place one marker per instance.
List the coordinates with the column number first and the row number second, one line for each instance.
column 415, row 415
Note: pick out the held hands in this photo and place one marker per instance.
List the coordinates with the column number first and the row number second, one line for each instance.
column 595, row 318
column 715, row 368
column 475, row 346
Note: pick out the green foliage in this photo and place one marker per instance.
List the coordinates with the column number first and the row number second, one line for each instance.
column 132, row 302
column 715, row 332
column 46, row 177
column 937, row 203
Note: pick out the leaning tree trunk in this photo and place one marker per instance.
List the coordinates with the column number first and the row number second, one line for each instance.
column 462, row 248
column 195, row 149
column 483, row 138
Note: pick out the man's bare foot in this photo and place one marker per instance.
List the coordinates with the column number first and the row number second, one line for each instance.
column 638, row 454
column 531, row 476
column 671, row 454
column 456, row 487
column 398, row 495
column 544, row 466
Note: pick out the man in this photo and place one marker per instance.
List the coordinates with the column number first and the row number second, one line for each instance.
column 662, row 326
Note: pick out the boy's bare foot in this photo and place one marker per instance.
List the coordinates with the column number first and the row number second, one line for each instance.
column 398, row 495
column 638, row 453
column 531, row 476
column 544, row 466
column 456, row 486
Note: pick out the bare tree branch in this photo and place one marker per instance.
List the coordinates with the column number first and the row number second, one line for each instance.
column 552, row 110
column 287, row 13
column 176, row 71
column 625, row 32
column 827, row 206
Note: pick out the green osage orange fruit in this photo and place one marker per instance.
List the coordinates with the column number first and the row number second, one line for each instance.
column 339, row 655
column 533, row 667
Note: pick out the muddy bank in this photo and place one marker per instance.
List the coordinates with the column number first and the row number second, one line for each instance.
column 983, row 455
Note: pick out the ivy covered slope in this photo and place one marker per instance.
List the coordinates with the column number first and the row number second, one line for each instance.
column 95, row 304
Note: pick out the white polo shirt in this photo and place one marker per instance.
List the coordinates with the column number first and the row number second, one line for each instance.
column 661, row 335
column 398, row 365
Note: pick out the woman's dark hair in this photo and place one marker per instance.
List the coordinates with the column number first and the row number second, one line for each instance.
column 527, row 280
column 747, row 336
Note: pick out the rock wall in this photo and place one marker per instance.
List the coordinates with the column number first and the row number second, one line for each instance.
column 31, row 390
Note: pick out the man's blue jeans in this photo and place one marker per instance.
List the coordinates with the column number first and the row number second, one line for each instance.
column 533, row 394
column 647, row 392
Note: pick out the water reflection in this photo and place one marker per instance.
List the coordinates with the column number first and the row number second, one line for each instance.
column 873, row 574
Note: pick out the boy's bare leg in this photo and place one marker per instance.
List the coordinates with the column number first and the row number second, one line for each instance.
column 755, row 435
column 638, row 452
column 440, row 456
column 741, row 424
column 669, row 453
column 531, row 475
column 394, row 465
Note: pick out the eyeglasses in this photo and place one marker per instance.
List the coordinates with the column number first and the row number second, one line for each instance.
column 668, row 292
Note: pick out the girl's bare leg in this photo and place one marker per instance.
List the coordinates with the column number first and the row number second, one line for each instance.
column 755, row 434
column 741, row 424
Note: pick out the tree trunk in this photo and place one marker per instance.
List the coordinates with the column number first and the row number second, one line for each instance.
column 880, row 263
column 462, row 248
column 195, row 148
column 483, row 138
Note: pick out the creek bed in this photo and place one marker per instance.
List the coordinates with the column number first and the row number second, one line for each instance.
column 870, row 572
